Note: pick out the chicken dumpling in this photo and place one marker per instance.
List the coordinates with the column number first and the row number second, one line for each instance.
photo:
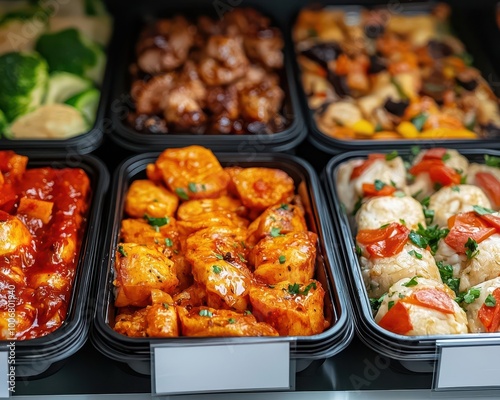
column 483, row 314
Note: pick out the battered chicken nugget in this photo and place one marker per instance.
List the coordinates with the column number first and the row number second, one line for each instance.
column 146, row 198
column 293, row 309
column 197, row 208
column 260, row 188
column 192, row 173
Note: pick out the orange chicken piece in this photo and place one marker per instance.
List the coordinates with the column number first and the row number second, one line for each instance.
column 36, row 209
column 146, row 198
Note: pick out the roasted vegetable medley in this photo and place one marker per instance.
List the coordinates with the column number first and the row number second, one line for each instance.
column 380, row 74
column 209, row 76
column 42, row 221
column 212, row 251
column 427, row 234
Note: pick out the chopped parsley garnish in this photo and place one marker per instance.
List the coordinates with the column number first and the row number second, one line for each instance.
column 295, row 289
column 165, row 305
column 429, row 215
column 192, row 187
column 282, row 259
column 456, row 188
column 384, row 226
column 247, row 312
column 219, row 256
column 490, row 301
column 391, row 156
column 446, row 272
column 492, row 161
column 169, row 242
column 231, row 320
column 482, row 210
column 275, row 232
column 437, row 186
column 156, row 222
column 358, row 205
column 242, row 258
column 182, row 193
column 242, row 243
column 418, row 240
column 402, row 222
column 471, row 249
column 399, row 194
column 217, row 270
column 122, row 252
column 463, row 179
column 412, row 282
column 469, row 296
column 419, row 121
column 379, row 185
column 432, row 235
column 425, row 201
column 284, row 206
column 393, row 184
column 375, row 303
column 446, row 156
column 390, row 304
column 415, row 254
column 358, row 251
column 205, row 313
column 399, row 88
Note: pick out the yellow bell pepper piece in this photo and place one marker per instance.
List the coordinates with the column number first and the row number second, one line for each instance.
column 363, row 127
column 407, row 130
column 448, row 133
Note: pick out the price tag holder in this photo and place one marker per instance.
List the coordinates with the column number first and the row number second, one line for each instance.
column 467, row 365
column 4, row 374
column 221, row 367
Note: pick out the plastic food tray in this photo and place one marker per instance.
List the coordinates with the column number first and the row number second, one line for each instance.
column 417, row 353
column 44, row 355
column 128, row 25
column 485, row 58
column 136, row 351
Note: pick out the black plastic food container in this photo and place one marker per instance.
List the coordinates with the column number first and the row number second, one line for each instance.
column 485, row 58
column 44, row 355
column 136, row 351
column 416, row 353
column 80, row 144
column 128, row 25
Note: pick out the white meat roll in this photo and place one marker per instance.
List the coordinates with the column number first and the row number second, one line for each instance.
column 350, row 187
column 488, row 179
column 379, row 211
column 379, row 274
column 451, row 200
column 483, row 314
column 423, row 186
column 418, row 306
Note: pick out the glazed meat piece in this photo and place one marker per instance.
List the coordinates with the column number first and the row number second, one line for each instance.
column 165, row 46
column 260, row 188
column 205, row 321
column 183, row 106
column 193, row 296
column 13, row 234
column 145, row 198
column 419, row 306
column 192, row 172
column 262, row 102
column 139, row 269
column 197, row 208
column 212, row 219
column 12, row 166
column 152, row 231
column 225, row 60
column 149, row 96
column 265, row 46
column 223, row 101
column 281, row 257
column 293, row 309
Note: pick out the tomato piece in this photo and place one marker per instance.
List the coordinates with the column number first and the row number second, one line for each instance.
column 435, row 153
column 397, row 320
column 438, row 171
column 465, row 226
column 431, row 298
column 491, row 186
column 369, row 190
column 492, row 220
column 490, row 316
column 358, row 171
column 384, row 242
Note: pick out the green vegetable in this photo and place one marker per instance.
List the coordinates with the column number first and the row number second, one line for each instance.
column 471, row 249
column 456, row 188
column 375, row 303
column 242, row 258
column 86, row 102
column 425, row 201
column 64, row 85
column 219, row 256
column 412, row 282
column 231, row 320
column 399, row 194
column 70, row 51
column 399, row 88
column 192, row 187
column 432, row 235
column 390, row 304
column 415, row 254
column 23, row 81
column 482, row 210
column 282, row 259
column 414, row 150
column 429, row 215
column 446, row 157
column 205, row 313
column 379, row 185
column 284, row 206
column 418, row 240
column 275, row 232
column 3, row 122
column 169, row 242
column 165, row 305
column 419, row 121
column 402, row 221
column 469, row 296
column 358, row 205
column 358, row 251
column 490, row 301
column 122, row 252
column 446, row 272
column 384, row 226
column 492, row 161
column 156, row 221
column 217, row 270
column 392, row 155
column 295, row 289
column 182, row 193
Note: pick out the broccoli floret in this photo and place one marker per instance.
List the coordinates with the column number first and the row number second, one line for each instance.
column 23, row 14
column 70, row 51
column 23, row 82
column 3, row 122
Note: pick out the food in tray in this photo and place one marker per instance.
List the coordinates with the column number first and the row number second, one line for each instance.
column 208, row 76
column 374, row 74
column 50, row 78
column 422, row 259
column 42, row 221
column 211, row 251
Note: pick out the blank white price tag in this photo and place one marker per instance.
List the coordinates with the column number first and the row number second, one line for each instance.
column 4, row 377
column 220, row 367
column 467, row 365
